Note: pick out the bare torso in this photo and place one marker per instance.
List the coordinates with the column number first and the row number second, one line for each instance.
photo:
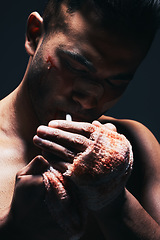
column 11, row 161
column 14, row 156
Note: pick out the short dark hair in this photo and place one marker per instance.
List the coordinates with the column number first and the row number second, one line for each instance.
column 138, row 16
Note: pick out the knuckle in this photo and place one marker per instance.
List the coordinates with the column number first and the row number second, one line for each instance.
column 69, row 154
column 50, row 146
column 111, row 126
column 20, row 173
column 18, row 177
column 79, row 140
column 37, row 160
column 87, row 129
column 55, row 134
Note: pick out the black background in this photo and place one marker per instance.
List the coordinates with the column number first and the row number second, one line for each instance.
column 141, row 100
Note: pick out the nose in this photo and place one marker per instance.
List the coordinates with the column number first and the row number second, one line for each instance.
column 87, row 93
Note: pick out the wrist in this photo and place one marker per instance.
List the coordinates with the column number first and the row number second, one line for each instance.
column 114, row 208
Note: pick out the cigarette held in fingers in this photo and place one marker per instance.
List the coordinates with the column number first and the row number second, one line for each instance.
column 68, row 117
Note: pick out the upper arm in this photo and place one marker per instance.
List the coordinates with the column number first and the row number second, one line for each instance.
column 144, row 182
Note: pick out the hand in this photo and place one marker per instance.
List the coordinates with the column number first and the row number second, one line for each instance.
column 62, row 140
column 102, row 157
column 29, row 214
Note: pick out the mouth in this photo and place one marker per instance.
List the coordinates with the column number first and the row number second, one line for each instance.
column 77, row 116
column 68, row 116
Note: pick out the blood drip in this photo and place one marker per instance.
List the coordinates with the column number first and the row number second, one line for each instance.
column 51, row 63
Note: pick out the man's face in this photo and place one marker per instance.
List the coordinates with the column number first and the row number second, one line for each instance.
column 82, row 72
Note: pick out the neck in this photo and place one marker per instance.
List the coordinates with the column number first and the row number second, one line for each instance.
column 27, row 121
column 17, row 117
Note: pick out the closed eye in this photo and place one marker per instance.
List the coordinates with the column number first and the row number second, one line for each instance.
column 74, row 68
column 117, row 83
column 76, row 61
column 120, row 80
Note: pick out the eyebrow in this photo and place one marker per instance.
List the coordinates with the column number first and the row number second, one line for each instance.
column 80, row 59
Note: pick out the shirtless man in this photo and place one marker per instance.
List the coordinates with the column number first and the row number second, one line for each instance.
column 81, row 61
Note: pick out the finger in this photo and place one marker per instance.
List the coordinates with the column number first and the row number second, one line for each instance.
column 29, row 189
column 66, row 139
column 56, row 162
column 96, row 123
column 54, row 148
column 63, row 201
column 110, row 126
column 30, row 182
column 82, row 128
column 36, row 167
column 61, row 166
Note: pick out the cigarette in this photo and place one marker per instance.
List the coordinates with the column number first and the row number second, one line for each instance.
column 51, row 169
column 68, row 117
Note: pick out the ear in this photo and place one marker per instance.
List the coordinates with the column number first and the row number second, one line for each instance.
column 34, row 32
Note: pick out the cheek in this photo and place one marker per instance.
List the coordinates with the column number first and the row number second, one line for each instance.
column 56, row 84
column 112, row 93
column 110, row 98
column 57, row 72
column 107, row 105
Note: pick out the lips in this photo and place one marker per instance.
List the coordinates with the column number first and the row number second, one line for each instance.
column 85, row 117
column 61, row 115
column 77, row 118
column 77, row 114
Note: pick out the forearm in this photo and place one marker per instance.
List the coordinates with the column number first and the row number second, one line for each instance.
column 126, row 219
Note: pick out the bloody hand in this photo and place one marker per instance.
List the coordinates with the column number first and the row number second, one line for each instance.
column 102, row 158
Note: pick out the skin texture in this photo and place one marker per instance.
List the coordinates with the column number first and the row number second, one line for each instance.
column 55, row 84
column 84, row 93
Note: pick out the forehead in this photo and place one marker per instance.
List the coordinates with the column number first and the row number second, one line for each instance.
column 105, row 46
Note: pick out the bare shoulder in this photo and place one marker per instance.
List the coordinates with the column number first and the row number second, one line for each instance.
column 144, row 181
column 133, row 130
column 129, row 126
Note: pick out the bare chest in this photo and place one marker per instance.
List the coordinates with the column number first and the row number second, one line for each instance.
column 10, row 163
